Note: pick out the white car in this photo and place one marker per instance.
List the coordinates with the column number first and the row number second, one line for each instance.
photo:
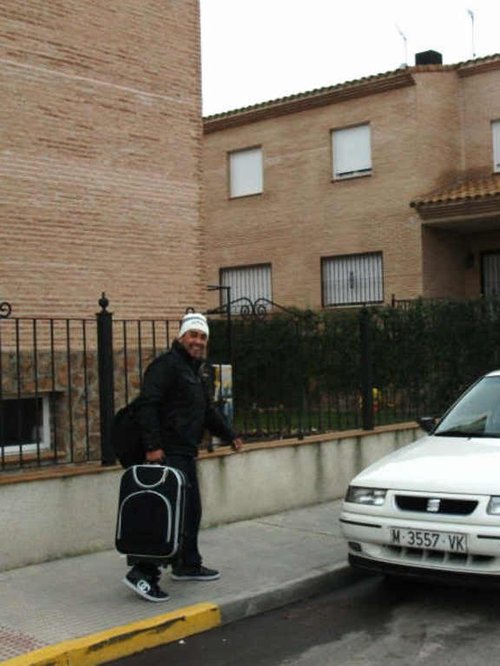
column 433, row 506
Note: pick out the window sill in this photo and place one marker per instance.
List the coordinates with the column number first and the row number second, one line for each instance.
column 354, row 304
column 14, row 458
column 352, row 176
column 245, row 196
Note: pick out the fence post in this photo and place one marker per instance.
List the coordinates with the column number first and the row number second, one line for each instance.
column 229, row 332
column 366, row 370
column 106, row 379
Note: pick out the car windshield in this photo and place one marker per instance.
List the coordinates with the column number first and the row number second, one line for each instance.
column 476, row 413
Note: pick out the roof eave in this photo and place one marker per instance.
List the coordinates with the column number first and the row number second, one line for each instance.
column 287, row 105
column 457, row 209
column 338, row 93
column 473, row 68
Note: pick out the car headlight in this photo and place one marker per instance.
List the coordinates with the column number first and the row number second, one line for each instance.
column 370, row 496
column 494, row 505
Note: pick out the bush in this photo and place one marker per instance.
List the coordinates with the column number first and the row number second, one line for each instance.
column 423, row 356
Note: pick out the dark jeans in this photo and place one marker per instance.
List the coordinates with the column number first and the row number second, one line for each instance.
column 189, row 554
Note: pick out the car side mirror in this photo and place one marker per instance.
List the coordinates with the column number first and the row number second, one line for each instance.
column 427, row 423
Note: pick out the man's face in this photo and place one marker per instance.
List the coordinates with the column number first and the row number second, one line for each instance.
column 195, row 343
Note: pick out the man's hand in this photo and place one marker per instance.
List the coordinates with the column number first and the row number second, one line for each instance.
column 155, row 456
column 237, row 444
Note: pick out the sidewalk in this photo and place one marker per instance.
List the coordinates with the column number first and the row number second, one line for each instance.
column 77, row 611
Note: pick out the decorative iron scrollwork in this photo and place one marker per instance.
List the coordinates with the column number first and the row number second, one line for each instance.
column 248, row 309
column 5, row 310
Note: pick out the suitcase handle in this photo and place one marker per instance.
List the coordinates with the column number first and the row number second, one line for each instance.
column 152, row 485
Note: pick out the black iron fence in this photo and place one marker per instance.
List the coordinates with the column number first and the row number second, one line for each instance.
column 297, row 373
column 61, row 380
column 294, row 373
column 49, row 381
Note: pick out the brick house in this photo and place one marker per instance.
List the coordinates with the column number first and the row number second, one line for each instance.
column 101, row 157
column 388, row 185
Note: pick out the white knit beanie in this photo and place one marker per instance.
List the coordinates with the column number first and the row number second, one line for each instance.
column 193, row 321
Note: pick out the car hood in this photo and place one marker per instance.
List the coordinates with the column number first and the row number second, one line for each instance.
column 438, row 464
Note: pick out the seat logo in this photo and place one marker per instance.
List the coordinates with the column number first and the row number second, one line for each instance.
column 433, row 505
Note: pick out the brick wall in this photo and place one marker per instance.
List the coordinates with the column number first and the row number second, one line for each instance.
column 302, row 215
column 461, row 143
column 481, row 105
column 100, row 159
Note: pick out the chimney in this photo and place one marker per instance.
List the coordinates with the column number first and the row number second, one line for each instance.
column 428, row 58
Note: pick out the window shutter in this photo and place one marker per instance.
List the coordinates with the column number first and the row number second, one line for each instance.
column 252, row 282
column 245, row 172
column 496, row 145
column 351, row 151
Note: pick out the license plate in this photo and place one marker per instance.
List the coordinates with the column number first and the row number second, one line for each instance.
column 448, row 541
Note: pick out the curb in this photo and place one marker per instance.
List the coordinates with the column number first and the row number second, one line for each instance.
column 319, row 580
column 124, row 640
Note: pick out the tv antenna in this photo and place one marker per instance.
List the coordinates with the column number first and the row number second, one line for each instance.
column 471, row 14
column 403, row 37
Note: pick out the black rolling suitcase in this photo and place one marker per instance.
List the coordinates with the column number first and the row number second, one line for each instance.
column 151, row 509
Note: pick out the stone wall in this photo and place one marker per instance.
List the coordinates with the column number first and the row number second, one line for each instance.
column 263, row 479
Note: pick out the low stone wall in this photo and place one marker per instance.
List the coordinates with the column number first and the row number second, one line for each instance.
column 72, row 510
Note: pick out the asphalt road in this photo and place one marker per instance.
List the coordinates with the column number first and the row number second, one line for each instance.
column 371, row 623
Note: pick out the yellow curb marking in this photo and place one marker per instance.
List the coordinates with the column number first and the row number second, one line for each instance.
column 122, row 641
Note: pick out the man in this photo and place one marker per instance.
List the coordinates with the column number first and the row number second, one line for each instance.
column 174, row 410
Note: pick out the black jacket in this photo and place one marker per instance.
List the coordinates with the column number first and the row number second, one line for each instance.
column 174, row 406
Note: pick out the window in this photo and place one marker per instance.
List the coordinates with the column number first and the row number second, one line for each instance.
column 246, row 282
column 351, row 152
column 352, row 279
column 496, row 145
column 490, row 273
column 245, row 172
column 24, row 423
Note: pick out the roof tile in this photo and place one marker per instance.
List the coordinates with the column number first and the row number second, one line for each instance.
column 464, row 68
column 462, row 189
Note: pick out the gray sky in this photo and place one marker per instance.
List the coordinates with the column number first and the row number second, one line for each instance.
column 258, row 50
